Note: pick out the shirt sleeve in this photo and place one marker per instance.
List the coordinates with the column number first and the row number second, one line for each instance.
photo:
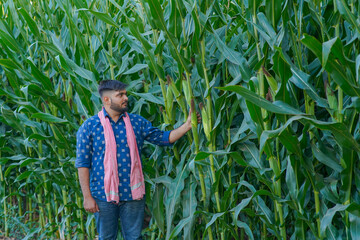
column 155, row 135
column 83, row 147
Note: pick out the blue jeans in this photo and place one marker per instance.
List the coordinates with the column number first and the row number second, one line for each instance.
column 131, row 214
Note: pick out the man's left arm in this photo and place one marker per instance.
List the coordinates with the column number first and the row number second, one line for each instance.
column 155, row 136
column 176, row 134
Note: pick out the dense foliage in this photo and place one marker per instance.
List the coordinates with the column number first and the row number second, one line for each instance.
column 276, row 82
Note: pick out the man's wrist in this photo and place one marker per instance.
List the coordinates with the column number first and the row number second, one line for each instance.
column 87, row 196
column 188, row 125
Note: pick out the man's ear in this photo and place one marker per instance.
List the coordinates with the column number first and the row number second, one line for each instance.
column 106, row 100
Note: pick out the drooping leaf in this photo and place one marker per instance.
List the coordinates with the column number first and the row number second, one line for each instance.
column 135, row 69
column 327, row 219
column 282, row 108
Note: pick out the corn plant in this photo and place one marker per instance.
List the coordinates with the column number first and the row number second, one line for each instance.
column 277, row 85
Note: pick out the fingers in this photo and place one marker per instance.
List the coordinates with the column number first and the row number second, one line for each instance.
column 93, row 210
column 91, row 206
column 197, row 115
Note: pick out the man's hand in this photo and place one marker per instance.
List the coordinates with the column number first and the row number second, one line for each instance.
column 90, row 205
column 188, row 120
column 179, row 132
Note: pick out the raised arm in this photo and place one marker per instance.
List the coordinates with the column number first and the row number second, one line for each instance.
column 180, row 131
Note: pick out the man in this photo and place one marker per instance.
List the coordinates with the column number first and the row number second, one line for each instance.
column 108, row 147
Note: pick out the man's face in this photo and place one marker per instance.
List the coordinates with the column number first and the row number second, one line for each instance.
column 119, row 101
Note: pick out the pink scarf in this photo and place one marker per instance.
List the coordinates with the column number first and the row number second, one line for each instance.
column 111, row 180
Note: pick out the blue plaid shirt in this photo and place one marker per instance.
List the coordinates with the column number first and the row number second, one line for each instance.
column 90, row 150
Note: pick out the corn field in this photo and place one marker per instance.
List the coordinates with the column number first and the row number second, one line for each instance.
column 277, row 85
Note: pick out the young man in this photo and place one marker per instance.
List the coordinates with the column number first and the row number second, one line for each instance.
column 108, row 161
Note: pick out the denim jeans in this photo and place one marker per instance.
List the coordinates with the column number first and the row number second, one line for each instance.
column 130, row 213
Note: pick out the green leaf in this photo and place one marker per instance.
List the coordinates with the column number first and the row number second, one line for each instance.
column 333, row 67
column 213, row 219
column 354, row 226
column 238, row 158
column 132, row 42
column 35, row 90
column 136, row 68
column 291, row 177
column 38, row 136
column 252, row 97
column 175, row 23
column 157, row 18
column 273, row 9
column 255, row 113
column 340, row 131
column 45, row 81
column 189, row 205
column 301, row 80
column 23, row 176
column 9, row 41
column 11, row 119
column 246, row 228
column 232, row 56
column 326, row 159
column 251, row 152
column 48, row 118
column 84, row 94
column 81, row 71
column 326, row 50
column 104, row 17
column 119, row 7
column 157, row 15
column 149, row 97
column 28, row 161
column 50, row 47
column 354, row 209
column 158, row 207
column 31, row 233
column 357, row 69
column 290, row 141
column 176, row 231
column 327, row 219
column 201, row 156
column 345, row 11
column 149, row 56
column 174, row 189
column 32, row 24
column 8, row 63
column 266, row 30
column 90, row 219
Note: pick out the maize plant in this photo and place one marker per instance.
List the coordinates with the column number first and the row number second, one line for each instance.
column 277, row 85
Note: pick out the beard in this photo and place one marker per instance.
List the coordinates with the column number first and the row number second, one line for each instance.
column 118, row 107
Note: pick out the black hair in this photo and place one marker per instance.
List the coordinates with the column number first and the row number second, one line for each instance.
column 107, row 85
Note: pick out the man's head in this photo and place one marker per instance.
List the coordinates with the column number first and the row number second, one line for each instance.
column 113, row 94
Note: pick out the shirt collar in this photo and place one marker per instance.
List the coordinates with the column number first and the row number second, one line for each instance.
column 107, row 115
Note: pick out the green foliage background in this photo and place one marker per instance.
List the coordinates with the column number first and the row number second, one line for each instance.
column 276, row 82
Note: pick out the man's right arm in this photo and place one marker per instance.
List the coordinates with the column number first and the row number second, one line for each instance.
column 83, row 164
column 84, row 178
